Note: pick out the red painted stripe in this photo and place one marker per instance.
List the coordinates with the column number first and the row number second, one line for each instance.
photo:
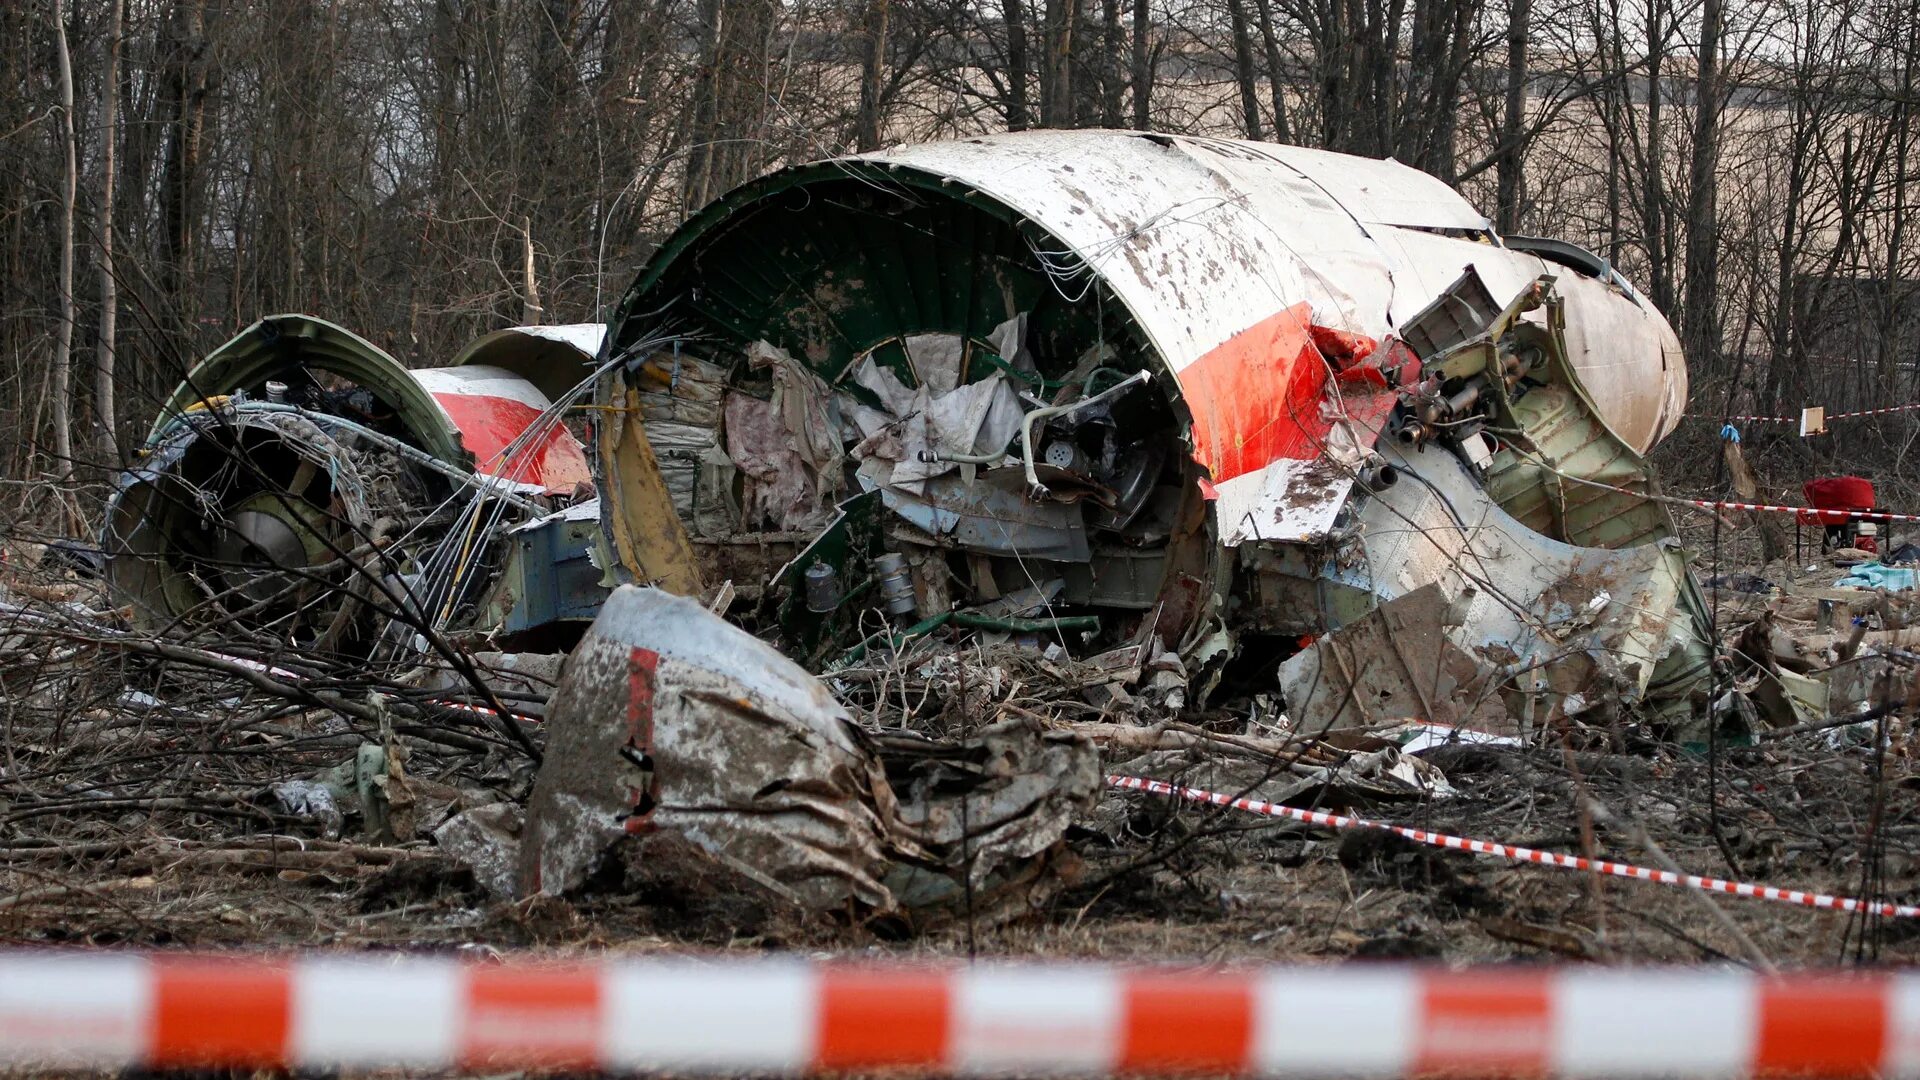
column 489, row 424
column 1259, row 396
column 1485, row 1024
column 642, row 668
column 870, row 1019
column 1822, row 1026
column 219, row 1012
column 1187, row 1023
column 532, row 1017
column 1256, row 396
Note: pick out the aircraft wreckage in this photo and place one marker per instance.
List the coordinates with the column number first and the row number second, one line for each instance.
column 304, row 488
column 1227, row 407
column 1193, row 396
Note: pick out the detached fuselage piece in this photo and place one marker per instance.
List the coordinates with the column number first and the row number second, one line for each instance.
column 1157, row 390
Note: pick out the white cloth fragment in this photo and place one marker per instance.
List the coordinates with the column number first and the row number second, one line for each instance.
column 936, row 360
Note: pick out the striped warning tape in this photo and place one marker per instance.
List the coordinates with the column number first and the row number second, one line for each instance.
column 1830, row 417
column 1873, row 412
column 1775, row 508
column 1517, row 853
column 1814, row 513
column 777, row 1016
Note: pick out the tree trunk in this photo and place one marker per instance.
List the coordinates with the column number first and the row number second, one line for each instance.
column 1653, row 193
column 104, row 359
column 1442, row 157
column 1512, row 155
column 1112, row 69
column 1142, row 66
column 1276, row 79
column 1243, row 69
column 1893, row 288
column 873, row 58
column 1613, row 196
column 544, row 162
column 186, row 90
column 1056, row 82
column 1332, row 51
column 61, row 387
column 1699, row 315
column 530, row 309
column 1786, row 301
column 1014, row 15
column 702, row 154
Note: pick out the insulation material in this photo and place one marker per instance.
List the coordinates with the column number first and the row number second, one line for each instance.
column 779, row 491
column 937, row 361
column 1009, row 342
column 977, row 419
column 787, row 446
column 801, row 400
column 699, row 475
column 680, row 389
column 682, row 402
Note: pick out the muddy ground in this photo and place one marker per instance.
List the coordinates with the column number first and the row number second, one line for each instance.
column 161, row 830
column 138, row 809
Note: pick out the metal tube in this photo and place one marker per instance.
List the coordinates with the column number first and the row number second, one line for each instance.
column 1035, row 488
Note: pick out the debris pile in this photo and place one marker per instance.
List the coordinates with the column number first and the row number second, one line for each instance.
column 904, row 500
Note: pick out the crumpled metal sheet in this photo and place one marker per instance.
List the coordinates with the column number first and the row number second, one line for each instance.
column 1394, row 663
column 993, row 515
column 1554, row 615
column 985, row 812
column 913, row 423
column 670, row 718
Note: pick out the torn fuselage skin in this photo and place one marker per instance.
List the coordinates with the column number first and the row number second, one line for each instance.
column 1012, row 439
column 1140, row 382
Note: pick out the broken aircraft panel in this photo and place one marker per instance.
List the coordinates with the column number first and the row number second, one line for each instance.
column 300, row 479
column 1169, row 384
column 669, row 719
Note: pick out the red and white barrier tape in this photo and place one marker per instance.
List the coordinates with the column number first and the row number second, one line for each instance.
column 1516, row 853
column 1774, row 508
column 1873, row 412
column 1810, row 512
column 1830, row 417
column 1746, row 419
column 772, row 1016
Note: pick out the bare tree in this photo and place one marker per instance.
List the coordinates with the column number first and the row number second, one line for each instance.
column 1243, row 69
column 104, row 413
column 1056, row 75
column 1700, row 313
column 1511, row 151
column 1142, row 73
column 873, row 57
column 1013, row 18
column 62, row 359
